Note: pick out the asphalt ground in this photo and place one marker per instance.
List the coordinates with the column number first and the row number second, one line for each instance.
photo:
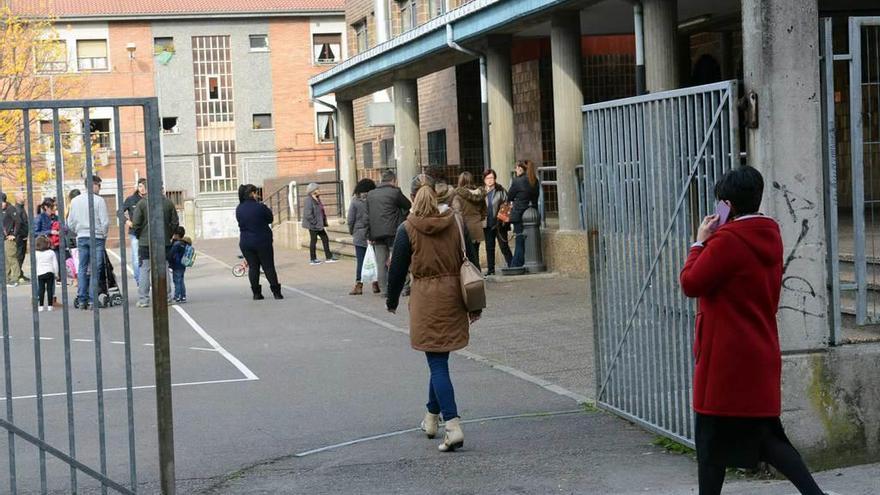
column 320, row 393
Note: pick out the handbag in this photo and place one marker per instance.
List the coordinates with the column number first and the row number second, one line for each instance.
column 368, row 270
column 473, row 286
column 504, row 212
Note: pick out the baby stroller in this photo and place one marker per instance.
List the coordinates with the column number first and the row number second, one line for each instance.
column 108, row 290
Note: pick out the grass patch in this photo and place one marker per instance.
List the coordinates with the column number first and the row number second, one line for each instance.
column 590, row 407
column 672, row 446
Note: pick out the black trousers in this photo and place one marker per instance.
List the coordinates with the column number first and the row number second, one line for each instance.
column 313, row 244
column 46, row 288
column 20, row 252
column 493, row 234
column 264, row 258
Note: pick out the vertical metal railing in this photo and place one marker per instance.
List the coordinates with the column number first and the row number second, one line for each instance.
column 651, row 165
column 48, row 481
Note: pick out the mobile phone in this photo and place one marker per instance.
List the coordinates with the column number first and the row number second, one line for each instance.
column 723, row 212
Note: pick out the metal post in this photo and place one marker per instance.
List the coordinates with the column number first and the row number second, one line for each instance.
column 159, row 278
column 858, row 169
column 639, row 28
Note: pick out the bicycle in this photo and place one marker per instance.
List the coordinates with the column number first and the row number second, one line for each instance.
column 241, row 268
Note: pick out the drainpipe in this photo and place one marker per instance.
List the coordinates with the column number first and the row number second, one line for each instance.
column 339, row 195
column 484, row 92
column 639, row 28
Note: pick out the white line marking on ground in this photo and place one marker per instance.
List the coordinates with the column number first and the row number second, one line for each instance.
column 149, row 344
column 217, row 347
column 203, row 349
column 556, row 389
column 117, row 342
column 83, row 340
column 45, row 338
column 139, row 387
column 410, row 430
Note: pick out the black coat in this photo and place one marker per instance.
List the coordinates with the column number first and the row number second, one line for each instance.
column 255, row 223
column 522, row 195
column 387, row 208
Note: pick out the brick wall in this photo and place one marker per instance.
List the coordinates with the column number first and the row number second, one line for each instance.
column 298, row 152
column 438, row 110
column 357, row 11
column 527, row 111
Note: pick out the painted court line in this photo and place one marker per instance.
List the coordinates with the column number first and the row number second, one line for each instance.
column 410, row 430
column 120, row 389
column 203, row 349
column 522, row 375
column 248, row 374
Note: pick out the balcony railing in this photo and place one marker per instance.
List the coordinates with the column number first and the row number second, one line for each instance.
column 51, row 67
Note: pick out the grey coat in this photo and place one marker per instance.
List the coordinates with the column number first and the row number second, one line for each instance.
column 313, row 216
column 359, row 220
column 387, row 208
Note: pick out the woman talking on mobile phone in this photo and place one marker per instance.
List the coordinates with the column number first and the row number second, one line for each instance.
column 735, row 269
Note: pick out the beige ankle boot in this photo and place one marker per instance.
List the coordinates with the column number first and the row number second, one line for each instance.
column 454, row 436
column 430, row 424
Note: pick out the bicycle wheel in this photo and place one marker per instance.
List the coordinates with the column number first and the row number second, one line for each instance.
column 239, row 270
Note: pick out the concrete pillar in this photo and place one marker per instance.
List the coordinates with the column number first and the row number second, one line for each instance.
column 345, row 148
column 565, row 52
column 781, row 65
column 407, row 140
column 502, row 137
column 661, row 51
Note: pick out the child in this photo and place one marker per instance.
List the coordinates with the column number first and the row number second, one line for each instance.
column 179, row 243
column 47, row 271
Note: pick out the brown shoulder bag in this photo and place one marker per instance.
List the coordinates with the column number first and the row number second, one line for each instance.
column 473, row 286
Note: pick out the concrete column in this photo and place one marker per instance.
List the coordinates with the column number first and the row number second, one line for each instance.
column 661, row 52
column 781, row 66
column 501, row 131
column 565, row 52
column 407, row 140
column 345, row 148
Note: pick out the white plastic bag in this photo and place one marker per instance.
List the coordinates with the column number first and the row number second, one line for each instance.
column 368, row 270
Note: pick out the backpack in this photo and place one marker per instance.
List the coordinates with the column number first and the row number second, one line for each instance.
column 189, row 256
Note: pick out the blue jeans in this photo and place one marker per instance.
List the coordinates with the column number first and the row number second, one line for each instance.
column 361, row 253
column 83, row 278
column 441, row 395
column 519, row 253
column 179, row 286
column 135, row 261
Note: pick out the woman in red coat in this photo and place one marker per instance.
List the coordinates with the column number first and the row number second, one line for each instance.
column 735, row 269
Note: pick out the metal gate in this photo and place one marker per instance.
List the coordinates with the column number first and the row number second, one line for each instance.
column 38, row 348
column 651, row 165
column 860, row 252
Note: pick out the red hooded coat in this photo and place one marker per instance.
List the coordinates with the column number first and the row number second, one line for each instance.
column 737, row 276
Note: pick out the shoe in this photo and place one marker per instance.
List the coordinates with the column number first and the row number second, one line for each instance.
column 331, row 260
column 357, row 290
column 258, row 292
column 40, row 309
column 454, row 436
column 376, row 289
column 174, row 301
column 406, row 291
column 143, row 304
column 430, row 424
column 276, row 292
column 182, row 300
column 49, row 308
column 13, row 284
column 315, row 262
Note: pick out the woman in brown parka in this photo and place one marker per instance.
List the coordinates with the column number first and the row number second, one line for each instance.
column 428, row 245
column 470, row 202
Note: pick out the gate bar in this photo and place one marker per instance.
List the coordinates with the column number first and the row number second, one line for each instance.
column 159, row 275
column 129, row 396
column 65, row 313
column 7, row 361
column 93, row 293
column 35, row 316
column 858, row 169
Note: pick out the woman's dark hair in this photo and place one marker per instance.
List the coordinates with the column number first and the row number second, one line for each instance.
column 530, row 171
column 488, row 172
column 41, row 243
column 245, row 191
column 72, row 194
column 743, row 187
column 364, row 186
